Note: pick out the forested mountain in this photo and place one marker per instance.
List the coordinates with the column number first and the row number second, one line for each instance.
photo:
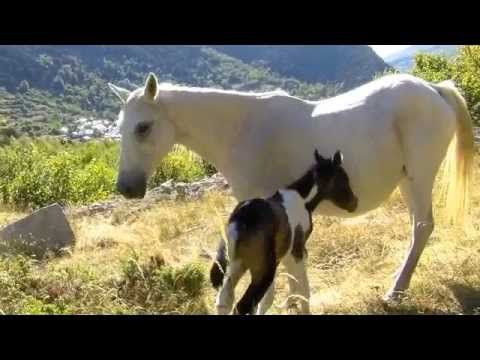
column 44, row 88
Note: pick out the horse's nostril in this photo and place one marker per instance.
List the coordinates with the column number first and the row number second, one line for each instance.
column 132, row 187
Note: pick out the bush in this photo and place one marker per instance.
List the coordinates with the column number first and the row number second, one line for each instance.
column 35, row 173
column 40, row 172
column 464, row 70
column 181, row 165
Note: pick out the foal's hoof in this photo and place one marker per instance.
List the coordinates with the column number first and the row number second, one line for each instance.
column 292, row 307
column 223, row 310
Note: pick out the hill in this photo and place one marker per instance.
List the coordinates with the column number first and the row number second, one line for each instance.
column 45, row 88
column 404, row 60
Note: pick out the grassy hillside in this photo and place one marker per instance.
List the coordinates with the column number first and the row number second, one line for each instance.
column 156, row 262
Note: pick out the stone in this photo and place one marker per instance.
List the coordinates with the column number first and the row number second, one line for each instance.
column 45, row 230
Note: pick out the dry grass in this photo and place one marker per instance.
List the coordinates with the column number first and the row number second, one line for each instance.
column 351, row 262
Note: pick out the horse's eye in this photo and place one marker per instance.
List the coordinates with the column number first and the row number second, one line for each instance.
column 143, row 128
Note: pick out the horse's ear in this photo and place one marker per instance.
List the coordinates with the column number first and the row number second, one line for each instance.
column 121, row 93
column 151, row 86
column 338, row 158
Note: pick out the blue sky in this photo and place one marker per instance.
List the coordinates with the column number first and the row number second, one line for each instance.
column 385, row 50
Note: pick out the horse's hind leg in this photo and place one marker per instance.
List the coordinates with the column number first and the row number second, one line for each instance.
column 417, row 193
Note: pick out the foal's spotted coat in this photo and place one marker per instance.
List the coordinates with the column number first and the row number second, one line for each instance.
column 263, row 232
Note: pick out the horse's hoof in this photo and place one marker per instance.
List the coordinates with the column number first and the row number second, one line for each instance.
column 393, row 296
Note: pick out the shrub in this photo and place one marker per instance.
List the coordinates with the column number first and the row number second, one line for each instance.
column 181, row 165
column 464, row 70
column 35, row 173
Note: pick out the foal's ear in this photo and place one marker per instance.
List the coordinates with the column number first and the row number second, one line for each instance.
column 121, row 93
column 151, row 86
column 338, row 158
column 318, row 157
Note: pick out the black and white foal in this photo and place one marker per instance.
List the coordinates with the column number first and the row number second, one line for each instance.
column 263, row 232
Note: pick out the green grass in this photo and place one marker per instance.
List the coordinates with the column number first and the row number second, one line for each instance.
column 30, row 287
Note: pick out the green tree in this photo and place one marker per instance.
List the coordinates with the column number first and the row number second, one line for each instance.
column 463, row 69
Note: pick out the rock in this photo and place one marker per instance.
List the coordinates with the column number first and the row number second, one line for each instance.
column 169, row 190
column 46, row 229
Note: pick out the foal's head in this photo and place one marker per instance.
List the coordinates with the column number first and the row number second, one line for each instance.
column 332, row 183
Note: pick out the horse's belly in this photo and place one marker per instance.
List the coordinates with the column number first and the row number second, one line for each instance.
column 371, row 191
column 366, row 203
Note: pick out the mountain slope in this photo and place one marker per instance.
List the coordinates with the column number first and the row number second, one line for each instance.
column 351, row 65
column 45, row 87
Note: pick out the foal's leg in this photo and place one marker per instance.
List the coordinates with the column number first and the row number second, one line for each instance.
column 225, row 296
column 417, row 193
column 267, row 300
column 298, row 285
column 262, row 280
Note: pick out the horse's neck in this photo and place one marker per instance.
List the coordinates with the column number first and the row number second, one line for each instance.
column 208, row 122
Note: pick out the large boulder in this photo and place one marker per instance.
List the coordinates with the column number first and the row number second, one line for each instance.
column 45, row 230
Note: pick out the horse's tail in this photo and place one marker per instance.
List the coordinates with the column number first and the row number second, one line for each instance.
column 459, row 158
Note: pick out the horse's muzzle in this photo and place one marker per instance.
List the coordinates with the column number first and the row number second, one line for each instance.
column 132, row 186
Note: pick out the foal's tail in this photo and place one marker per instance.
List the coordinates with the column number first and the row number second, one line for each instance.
column 459, row 158
column 219, row 267
column 225, row 255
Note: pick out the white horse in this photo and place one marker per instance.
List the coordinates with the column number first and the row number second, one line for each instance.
column 394, row 131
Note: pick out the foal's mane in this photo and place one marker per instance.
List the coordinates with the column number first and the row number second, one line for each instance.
column 305, row 183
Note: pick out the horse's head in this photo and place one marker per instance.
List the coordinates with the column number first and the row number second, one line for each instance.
column 333, row 182
column 147, row 136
